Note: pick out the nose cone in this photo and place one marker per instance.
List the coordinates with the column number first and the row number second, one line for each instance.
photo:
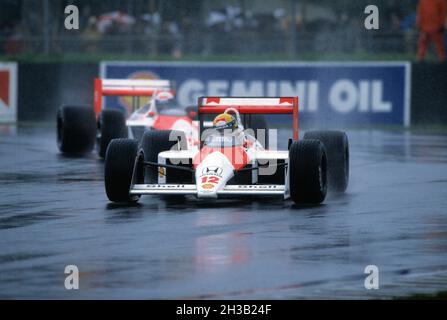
column 213, row 174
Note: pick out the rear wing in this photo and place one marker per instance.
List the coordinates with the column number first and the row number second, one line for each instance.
column 126, row 87
column 246, row 105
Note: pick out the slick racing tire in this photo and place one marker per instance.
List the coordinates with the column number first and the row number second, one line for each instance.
column 76, row 129
column 112, row 125
column 337, row 149
column 154, row 142
column 118, row 169
column 307, row 172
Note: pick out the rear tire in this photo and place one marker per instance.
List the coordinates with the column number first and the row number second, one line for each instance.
column 154, row 142
column 112, row 125
column 118, row 169
column 76, row 129
column 337, row 149
column 307, row 172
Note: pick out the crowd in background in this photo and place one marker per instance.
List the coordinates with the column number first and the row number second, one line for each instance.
column 198, row 31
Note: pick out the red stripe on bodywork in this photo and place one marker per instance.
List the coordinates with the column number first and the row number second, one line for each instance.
column 236, row 155
column 164, row 122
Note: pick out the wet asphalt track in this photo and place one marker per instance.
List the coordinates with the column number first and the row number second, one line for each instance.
column 54, row 212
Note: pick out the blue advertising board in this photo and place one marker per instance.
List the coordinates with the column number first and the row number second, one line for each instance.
column 330, row 93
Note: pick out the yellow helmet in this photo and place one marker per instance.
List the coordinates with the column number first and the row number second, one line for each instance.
column 225, row 121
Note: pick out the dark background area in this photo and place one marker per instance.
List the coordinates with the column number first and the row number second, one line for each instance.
column 282, row 29
column 429, row 94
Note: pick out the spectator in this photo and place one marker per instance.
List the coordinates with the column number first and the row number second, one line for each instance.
column 175, row 38
column 431, row 15
column 91, row 35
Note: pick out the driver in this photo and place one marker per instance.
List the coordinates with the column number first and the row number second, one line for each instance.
column 165, row 100
column 225, row 121
column 227, row 124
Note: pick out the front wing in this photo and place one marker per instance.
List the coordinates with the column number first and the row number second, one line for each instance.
column 185, row 189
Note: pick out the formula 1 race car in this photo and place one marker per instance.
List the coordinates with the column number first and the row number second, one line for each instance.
column 79, row 127
column 229, row 162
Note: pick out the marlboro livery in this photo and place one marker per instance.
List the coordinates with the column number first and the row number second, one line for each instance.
column 230, row 160
column 78, row 127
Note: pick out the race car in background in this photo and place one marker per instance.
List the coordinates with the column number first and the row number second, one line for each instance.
column 233, row 163
column 80, row 127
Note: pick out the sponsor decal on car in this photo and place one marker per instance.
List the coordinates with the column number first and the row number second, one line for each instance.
column 214, row 171
column 257, row 187
column 210, row 179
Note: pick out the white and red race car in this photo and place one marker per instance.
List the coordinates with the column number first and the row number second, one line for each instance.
column 229, row 162
column 79, row 127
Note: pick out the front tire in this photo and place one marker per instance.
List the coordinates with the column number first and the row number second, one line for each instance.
column 337, row 149
column 76, row 129
column 112, row 125
column 118, row 169
column 307, row 172
column 154, row 142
